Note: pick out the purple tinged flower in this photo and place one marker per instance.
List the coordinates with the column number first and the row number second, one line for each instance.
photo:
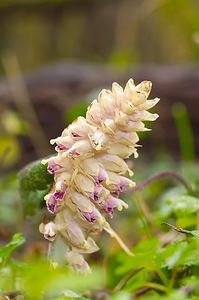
column 100, row 193
column 55, row 196
column 96, row 194
column 60, row 190
column 49, row 231
column 52, row 166
column 102, row 176
column 109, row 206
column 73, row 152
column 60, row 147
column 124, row 182
column 81, row 147
column 115, row 194
column 59, row 195
column 90, row 217
column 51, row 205
column 93, row 196
column 112, row 203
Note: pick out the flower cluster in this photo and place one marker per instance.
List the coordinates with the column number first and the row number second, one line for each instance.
column 90, row 169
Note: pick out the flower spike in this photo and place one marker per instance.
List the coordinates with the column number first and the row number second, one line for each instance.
column 90, row 171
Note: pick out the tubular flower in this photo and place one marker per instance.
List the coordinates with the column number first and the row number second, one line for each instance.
column 90, row 169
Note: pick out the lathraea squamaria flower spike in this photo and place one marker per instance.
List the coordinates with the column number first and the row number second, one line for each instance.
column 90, row 169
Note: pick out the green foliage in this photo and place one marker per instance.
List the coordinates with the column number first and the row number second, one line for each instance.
column 163, row 264
column 166, row 261
column 34, row 183
column 6, row 251
column 183, row 205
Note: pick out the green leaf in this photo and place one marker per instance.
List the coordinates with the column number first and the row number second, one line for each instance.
column 142, row 251
column 34, row 182
column 137, row 281
column 6, row 251
column 183, row 205
column 181, row 253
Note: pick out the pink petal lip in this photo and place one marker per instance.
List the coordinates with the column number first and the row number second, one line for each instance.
column 60, row 147
column 90, row 217
column 51, row 207
column 110, row 205
column 59, row 195
column 52, row 166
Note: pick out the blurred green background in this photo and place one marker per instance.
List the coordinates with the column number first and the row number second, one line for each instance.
column 112, row 32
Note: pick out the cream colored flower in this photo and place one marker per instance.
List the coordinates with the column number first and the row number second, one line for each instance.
column 90, row 171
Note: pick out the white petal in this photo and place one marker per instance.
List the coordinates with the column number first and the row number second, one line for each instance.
column 121, row 150
column 98, row 139
column 84, row 183
column 147, row 116
column 144, row 86
column 120, row 118
column 82, row 202
column 113, row 163
column 130, row 86
column 149, row 104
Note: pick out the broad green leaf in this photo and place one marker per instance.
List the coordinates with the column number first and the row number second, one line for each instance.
column 142, row 251
column 34, row 183
column 6, row 251
column 183, row 205
column 165, row 209
column 180, row 253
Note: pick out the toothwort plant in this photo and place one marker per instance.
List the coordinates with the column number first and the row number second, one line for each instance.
column 90, row 169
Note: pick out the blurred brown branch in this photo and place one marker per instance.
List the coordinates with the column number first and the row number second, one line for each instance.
column 24, row 104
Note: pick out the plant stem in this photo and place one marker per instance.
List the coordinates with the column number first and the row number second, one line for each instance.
column 162, row 276
column 158, row 176
column 173, row 278
column 125, row 279
column 180, row 230
column 156, row 286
